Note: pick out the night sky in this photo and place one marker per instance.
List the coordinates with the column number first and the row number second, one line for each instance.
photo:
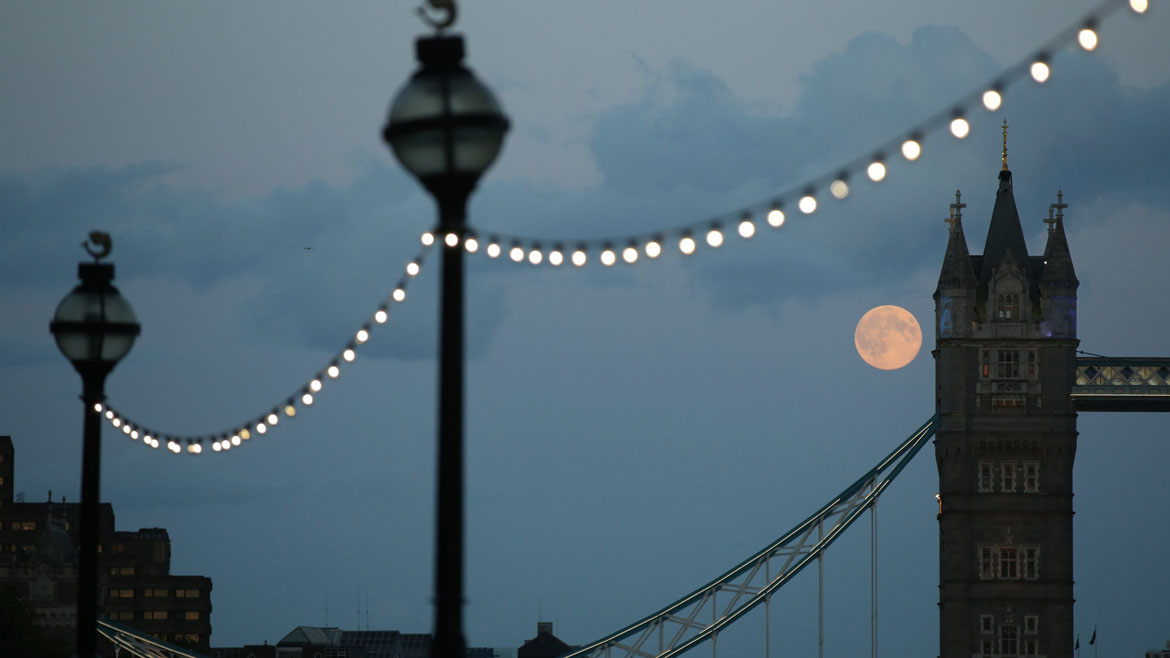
column 632, row 432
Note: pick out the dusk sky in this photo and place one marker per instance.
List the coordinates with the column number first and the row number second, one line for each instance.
column 631, row 432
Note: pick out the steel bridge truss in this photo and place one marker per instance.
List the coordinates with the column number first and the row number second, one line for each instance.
column 1122, row 384
column 702, row 614
column 132, row 642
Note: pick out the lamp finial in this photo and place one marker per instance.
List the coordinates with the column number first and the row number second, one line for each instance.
column 101, row 241
column 446, row 6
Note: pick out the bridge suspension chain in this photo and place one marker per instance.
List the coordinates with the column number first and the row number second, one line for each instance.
column 698, row 616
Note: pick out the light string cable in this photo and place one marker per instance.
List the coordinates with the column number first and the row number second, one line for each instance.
column 302, row 398
column 688, row 238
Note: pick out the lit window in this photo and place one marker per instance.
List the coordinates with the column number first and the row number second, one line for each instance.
column 1031, row 565
column 160, row 593
column 1008, row 564
column 1031, row 624
column 1007, row 471
column 191, row 615
column 985, row 477
column 1031, row 477
column 155, row 615
column 121, row 594
column 1008, row 641
column 987, row 364
column 124, row 615
column 986, row 562
column 186, row 594
column 121, row 571
column 986, row 624
column 1007, row 307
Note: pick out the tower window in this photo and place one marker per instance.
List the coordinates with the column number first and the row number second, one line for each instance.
column 1031, row 477
column 1031, row 364
column 1008, row 563
column 985, row 477
column 1009, row 642
column 1007, row 472
column 1008, row 307
column 1031, row 647
column 986, row 562
column 1031, row 564
column 987, row 364
column 986, row 624
column 986, row 647
column 1031, row 624
column 1009, row 365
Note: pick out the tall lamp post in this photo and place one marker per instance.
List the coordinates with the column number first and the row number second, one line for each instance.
column 94, row 327
column 446, row 129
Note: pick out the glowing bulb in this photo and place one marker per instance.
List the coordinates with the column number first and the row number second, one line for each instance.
column 630, row 254
column 493, row 250
column 98, row 407
column 516, row 254
column 687, row 245
column 653, row 249
column 315, row 385
column 273, row 419
column 1040, row 71
column 154, row 444
column 992, row 99
column 307, row 399
column 174, row 447
column 556, row 257
column 290, row 410
column 197, row 448
column 412, row 268
column 117, row 422
column 125, row 429
column 579, row 257
column 876, row 171
column 715, row 237
column 261, row 428
column 839, row 189
column 348, row 355
column 1139, row 6
column 226, row 444
column 245, row 434
column 747, row 228
column 808, row 204
column 428, row 239
column 109, row 415
column 451, row 239
column 235, row 439
column 134, row 435
column 361, row 336
column 960, row 128
column 146, row 438
column 608, row 257
column 776, row 218
column 334, row 372
column 1087, row 37
column 398, row 295
column 381, row 316
column 216, row 447
column 535, row 257
column 911, row 149
column 471, row 245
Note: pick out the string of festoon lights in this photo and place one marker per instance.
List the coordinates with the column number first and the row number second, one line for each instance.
column 631, row 248
column 300, row 400
column 774, row 211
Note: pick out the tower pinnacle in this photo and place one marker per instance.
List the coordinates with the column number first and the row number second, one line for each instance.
column 1004, row 155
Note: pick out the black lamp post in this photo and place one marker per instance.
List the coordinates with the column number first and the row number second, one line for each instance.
column 94, row 327
column 446, row 129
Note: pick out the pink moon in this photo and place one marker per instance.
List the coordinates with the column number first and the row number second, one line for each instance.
column 888, row 337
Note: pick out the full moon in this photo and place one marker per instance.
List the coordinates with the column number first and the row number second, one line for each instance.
column 888, row 337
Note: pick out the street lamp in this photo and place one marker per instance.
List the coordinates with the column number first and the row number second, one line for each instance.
column 446, row 128
column 94, row 327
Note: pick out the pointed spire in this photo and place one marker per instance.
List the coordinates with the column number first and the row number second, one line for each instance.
column 1004, row 156
column 1004, row 235
column 1058, row 266
column 957, row 271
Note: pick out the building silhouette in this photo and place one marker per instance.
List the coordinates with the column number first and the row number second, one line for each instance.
column 1006, row 337
column 38, row 561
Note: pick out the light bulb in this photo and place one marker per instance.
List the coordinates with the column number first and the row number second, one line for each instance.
column 361, row 336
column 235, row 439
column 516, row 254
column 428, row 239
column 380, row 316
column 315, row 385
column 911, row 149
column 125, row 429
column 1087, row 37
column 245, row 434
column 630, row 254
column 775, row 218
column 715, row 237
column 839, row 189
column 992, row 99
column 579, row 257
column 334, row 372
column 451, row 240
column 876, row 171
column 134, row 434
column 198, row 448
column 273, row 419
column 535, row 257
column 747, row 228
column 109, row 414
column 261, row 428
column 493, row 250
column 307, row 399
column 412, row 268
column 398, row 295
column 117, row 422
column 98, row 407
column 608, row 257
column 290, row 410
column 216, row 447
column 960, row 128
column 653, row 249
column 1040, row 71
column 556, row 257
column 348, row 355
column 808, row 204
column 471, row 245
column 686, row 245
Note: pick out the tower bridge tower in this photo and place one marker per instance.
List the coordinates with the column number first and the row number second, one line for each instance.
column 1005, row 363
